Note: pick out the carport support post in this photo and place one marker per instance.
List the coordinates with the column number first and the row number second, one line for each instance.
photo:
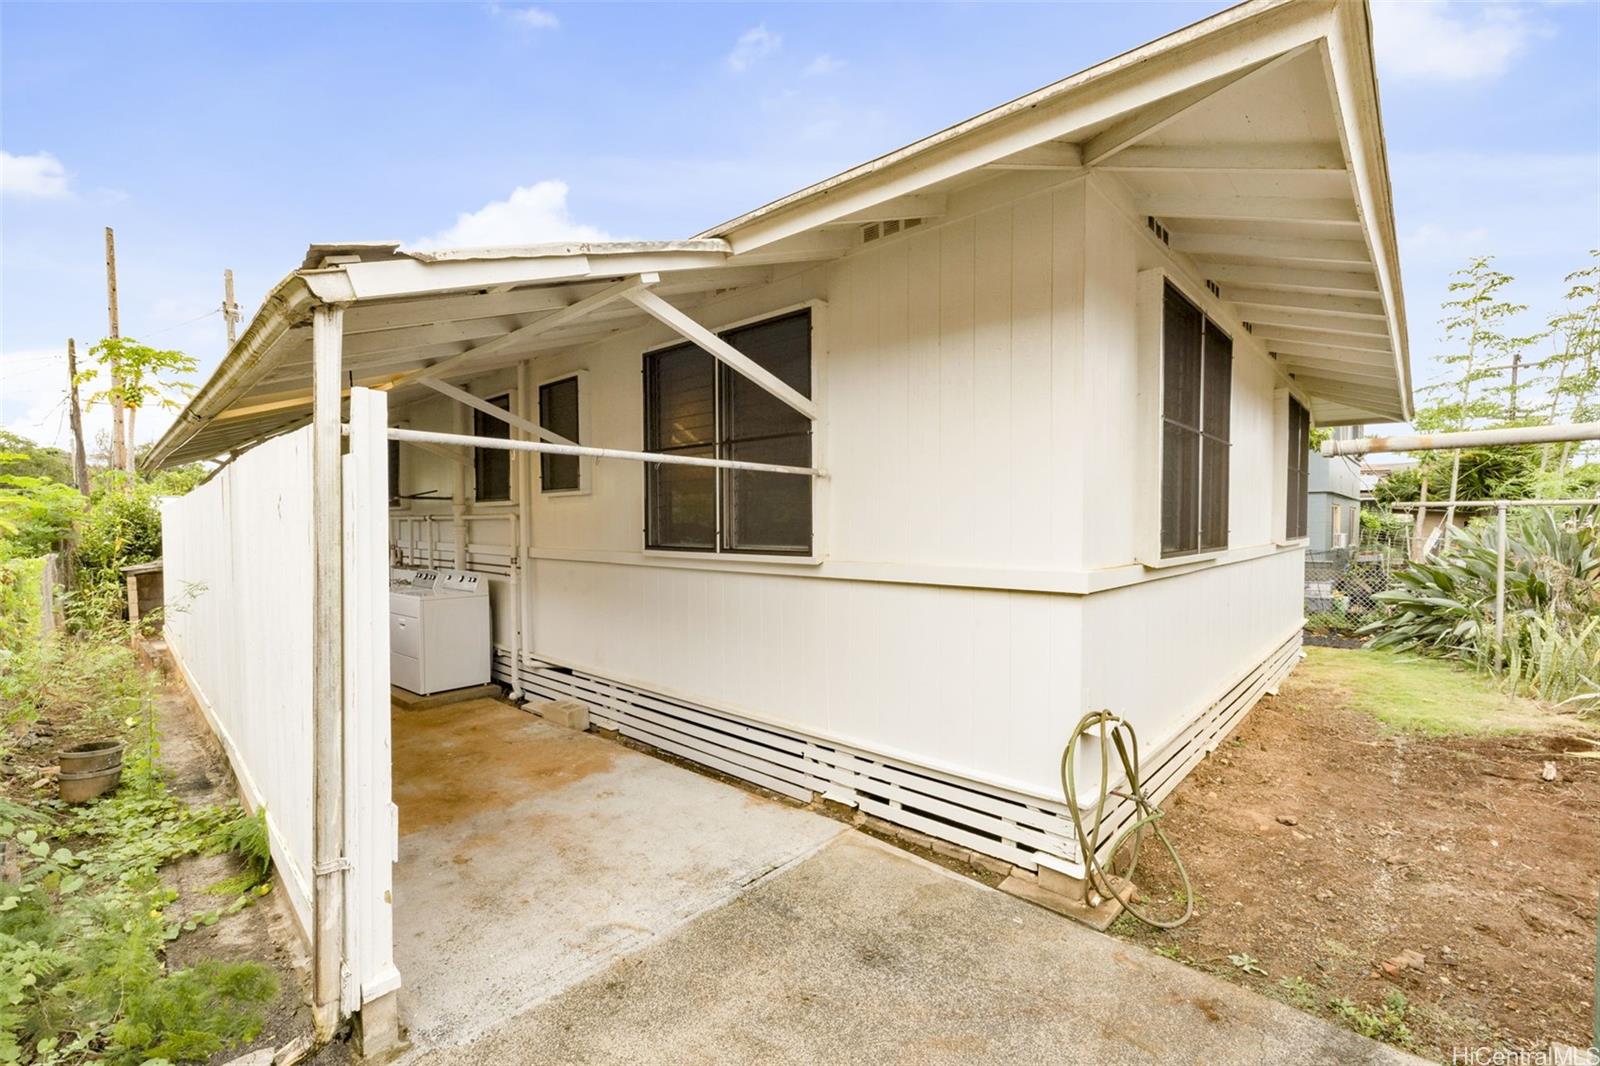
column 327, row 667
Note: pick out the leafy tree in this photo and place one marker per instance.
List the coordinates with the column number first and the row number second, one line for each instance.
column 26, row 459
column 1576, row 360
column 1475, row 321
column 36, row 509
column 140, row 376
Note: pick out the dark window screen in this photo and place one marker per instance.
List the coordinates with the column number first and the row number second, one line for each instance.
column 1299, row 467
column 695, row 406
column 558, row 412
column 767, row 512
column 491, row 467
column 681, row 418
column 1196, row 407
column 394, row 472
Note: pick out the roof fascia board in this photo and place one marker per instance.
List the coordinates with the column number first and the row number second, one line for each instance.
column 1352, row 81
column 410, row 278
column 1253, row 34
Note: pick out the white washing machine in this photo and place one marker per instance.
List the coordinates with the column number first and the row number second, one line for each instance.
column 438, row 630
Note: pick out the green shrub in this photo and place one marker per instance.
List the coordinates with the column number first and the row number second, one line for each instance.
column 1551, row 645
column 121, row 527
column 20, row 604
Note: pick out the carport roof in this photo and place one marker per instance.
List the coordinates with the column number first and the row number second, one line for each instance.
column 1250, row 142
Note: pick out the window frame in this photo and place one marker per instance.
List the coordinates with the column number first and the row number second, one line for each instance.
column 1150, row 310
column 395, row 473
column 585, row 462
column 510, row 407
column 720, row 504
column 1296, row 524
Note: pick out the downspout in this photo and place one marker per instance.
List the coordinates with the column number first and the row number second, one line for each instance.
column 519, row 525
column 458, row 494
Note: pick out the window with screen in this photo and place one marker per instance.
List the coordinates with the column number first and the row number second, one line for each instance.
column 696, row 406
column 1299, row 467
column 491, row 467
column 1196, row 404
column 558, row 412
column 394, row 473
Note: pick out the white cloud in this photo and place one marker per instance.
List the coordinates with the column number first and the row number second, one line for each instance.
column 1435, row 40
column 753, row 44
column 822, row 65
column 532, row 214
column 533, row 18
column 40, row 175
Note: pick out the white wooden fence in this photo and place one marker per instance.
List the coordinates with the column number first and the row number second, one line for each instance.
column 239, row 574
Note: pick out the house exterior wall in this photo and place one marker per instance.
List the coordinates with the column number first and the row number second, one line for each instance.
column 1335, row 481
column 976, row 586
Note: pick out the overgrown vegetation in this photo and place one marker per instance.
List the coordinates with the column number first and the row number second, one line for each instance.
column 85, row 918
column 84, row 926
column 1550, row 649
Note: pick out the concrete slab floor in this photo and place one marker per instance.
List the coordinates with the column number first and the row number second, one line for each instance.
column 532, row 856
column 862, row 953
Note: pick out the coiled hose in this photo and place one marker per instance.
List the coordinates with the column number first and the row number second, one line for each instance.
column 1096, row 877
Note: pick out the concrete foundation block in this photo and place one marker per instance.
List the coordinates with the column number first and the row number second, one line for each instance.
column 569, row 714
column 378, row 1028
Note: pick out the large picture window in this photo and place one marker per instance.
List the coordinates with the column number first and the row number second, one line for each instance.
column 696, row 406
column 1299, row 467
column 491, row 467
column 1196, row 401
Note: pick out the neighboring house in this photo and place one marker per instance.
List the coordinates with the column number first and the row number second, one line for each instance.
column 1333, row 520
column 1029, row 403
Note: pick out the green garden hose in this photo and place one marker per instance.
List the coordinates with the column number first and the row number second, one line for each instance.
column 1096, row 877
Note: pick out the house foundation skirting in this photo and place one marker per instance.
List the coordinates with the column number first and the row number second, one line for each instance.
column 971, row 814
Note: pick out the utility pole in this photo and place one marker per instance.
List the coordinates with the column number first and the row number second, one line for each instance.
column 121, row 452
column 230, row 309
column 1516, row 366
column 80, row 459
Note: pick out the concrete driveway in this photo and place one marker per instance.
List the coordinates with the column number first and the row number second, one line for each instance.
column 603, row 906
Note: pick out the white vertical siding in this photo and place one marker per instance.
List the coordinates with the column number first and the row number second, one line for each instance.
column 977, row 382
column 237, row 558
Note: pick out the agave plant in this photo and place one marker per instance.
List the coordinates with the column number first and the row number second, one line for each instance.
column 1551, row 644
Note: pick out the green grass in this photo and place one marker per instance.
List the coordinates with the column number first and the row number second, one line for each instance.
column 1414, row 695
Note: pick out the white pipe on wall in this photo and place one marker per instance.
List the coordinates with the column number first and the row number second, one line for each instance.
column 458, row 494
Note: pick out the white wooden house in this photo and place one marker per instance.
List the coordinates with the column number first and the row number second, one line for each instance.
column 1041, row 385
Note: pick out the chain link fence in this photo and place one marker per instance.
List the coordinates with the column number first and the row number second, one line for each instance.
column 1341, row 585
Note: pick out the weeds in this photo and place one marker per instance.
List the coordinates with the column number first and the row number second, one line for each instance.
column 1247, row 964
column 1386, row 1022
column 1297, row 992
column 84, row 917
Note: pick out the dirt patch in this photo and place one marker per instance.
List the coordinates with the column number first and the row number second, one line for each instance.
column 1323, row 846
column 463, row 759
column 265, row 932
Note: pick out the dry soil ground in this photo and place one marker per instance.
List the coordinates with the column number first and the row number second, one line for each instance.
column 1346, row 825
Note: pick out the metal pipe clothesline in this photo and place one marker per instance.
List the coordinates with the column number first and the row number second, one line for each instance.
column 423, row 436
column 1430, row 504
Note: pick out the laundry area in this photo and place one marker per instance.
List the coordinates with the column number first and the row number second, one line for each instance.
column 532, row 856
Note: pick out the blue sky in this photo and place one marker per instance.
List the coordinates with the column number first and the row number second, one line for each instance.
column 233, row 135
